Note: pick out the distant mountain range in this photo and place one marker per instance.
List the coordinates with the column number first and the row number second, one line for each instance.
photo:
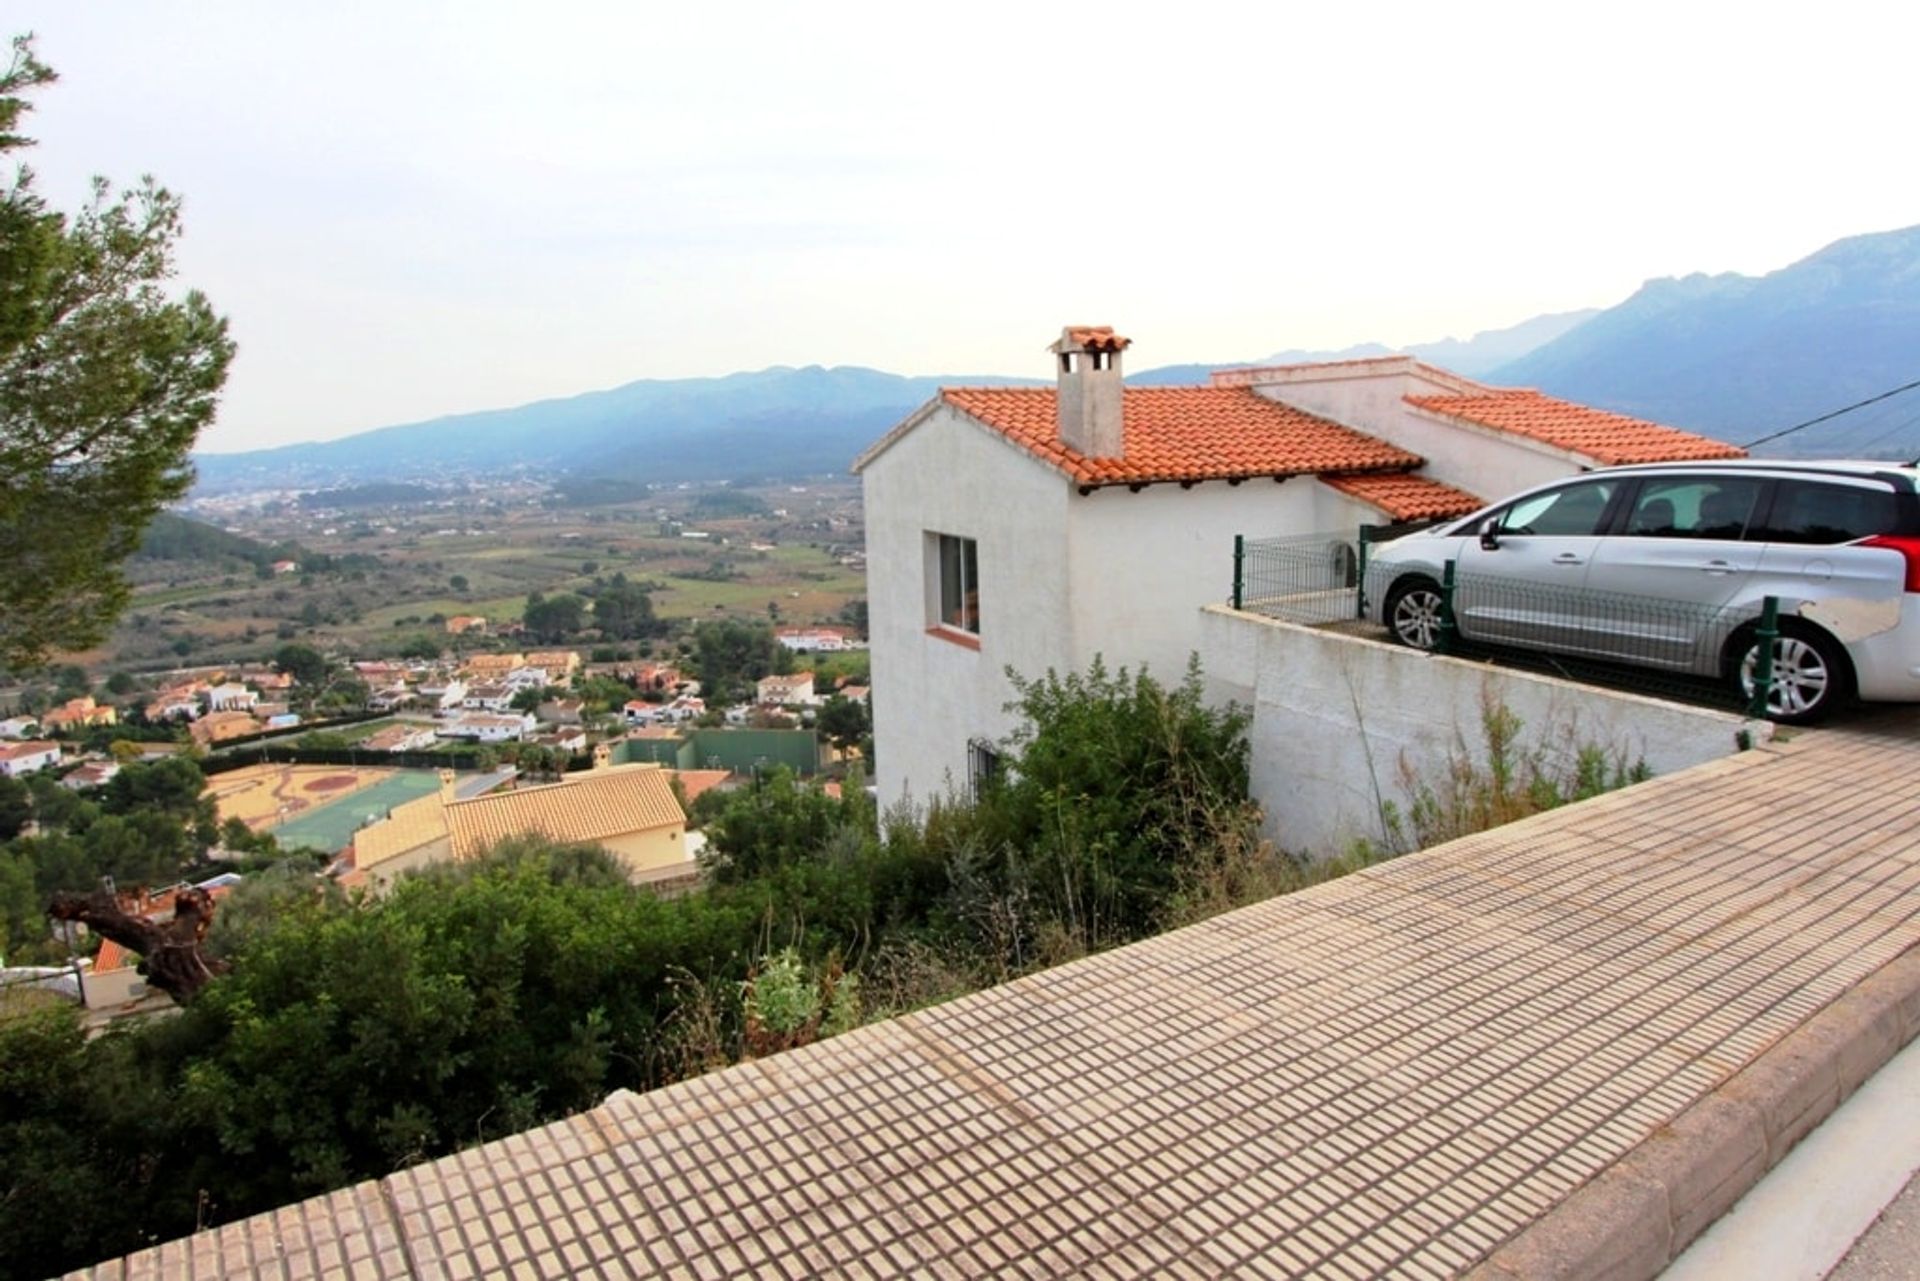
column 1730, row 355
column 1738, row 356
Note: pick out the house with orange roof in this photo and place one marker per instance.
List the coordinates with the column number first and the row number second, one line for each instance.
column 77, row 713
column 1035, row 527
column 628, row 810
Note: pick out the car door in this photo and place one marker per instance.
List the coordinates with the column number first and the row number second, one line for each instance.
column 1521, row 583
column 1659, row 584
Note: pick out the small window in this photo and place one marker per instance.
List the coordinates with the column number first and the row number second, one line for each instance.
column 983, row 766
column 1811, row 511
column 1571, row 510
column 959, row 583
column 1694, row 507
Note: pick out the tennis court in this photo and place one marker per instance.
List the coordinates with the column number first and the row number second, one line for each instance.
column 331, row 827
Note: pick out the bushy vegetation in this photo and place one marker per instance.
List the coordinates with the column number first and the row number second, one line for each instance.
column 356, row 1035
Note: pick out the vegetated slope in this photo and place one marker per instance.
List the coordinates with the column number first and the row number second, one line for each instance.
column 178, row 538
column 1739, row 356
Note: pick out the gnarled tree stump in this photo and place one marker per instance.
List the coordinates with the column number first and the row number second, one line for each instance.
column 173, row 955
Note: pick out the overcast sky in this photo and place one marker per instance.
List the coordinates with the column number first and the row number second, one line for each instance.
column 410, row 208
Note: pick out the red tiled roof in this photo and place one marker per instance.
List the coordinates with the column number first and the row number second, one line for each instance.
column 111, row 956
column 1098, row 337
column 1605, row 437
column 1406, row 497
column 1184, row 433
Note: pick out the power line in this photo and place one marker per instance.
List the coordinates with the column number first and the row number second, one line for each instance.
column 1862, row 404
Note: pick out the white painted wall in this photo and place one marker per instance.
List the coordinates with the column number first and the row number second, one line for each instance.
column 931, row 696
column 1335, row 718
column 1142, row 565
column 1369, row 396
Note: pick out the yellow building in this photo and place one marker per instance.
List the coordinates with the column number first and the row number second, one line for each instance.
column 628, row 810
column 558, row 663
column 482, row 666
column 77, row 713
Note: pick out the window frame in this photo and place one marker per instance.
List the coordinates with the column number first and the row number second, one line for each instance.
column 954, row 603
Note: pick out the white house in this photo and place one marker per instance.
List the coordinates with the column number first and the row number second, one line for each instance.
column 485, row 727
column 1033, row 528
column 17, row 727
column 26, row 757
column 231, row 697
column 489, row 698
column 786, row 691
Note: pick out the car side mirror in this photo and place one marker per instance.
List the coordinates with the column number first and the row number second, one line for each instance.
column 1490, row 533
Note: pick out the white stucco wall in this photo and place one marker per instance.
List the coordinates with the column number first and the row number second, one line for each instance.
column 931, row 696
column 1336, row 719
column 1142, row 565
column 1370, row 396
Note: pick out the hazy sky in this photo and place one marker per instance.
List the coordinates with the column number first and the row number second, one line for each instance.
column 411, row 208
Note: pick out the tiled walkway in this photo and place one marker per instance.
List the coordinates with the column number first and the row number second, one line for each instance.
column 1391, row 1074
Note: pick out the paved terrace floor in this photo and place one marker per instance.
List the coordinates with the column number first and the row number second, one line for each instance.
column 1559, row 1047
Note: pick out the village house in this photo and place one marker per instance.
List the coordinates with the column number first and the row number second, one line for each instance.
column 640, row 712
column 286, row 567
column 785, row 691
column 460, row 624
column 486, row 727
column 491, row 667
column 28, row 757
column 222, row 727
column 90, row 774
column 488, row 698
column 571, row 741
column 562, row 663
column 181, row 703
column 402, row 738
column 1035, row 528
column 442, row 695
column 18, row 726
column 562, row 711
column 231, row 697
column 77, row 714
column 628, row 810
column 806, row 640
column 528, row 677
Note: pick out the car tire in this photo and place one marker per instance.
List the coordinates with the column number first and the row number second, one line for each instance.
column 1412, row 613
column 1811, row 673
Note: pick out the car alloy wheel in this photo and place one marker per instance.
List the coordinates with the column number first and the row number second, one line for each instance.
column 1413, row 615
column 1806, row 679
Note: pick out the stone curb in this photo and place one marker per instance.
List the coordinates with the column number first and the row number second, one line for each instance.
column 1638, row 1215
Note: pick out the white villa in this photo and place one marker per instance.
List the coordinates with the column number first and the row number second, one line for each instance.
column 1034, row 528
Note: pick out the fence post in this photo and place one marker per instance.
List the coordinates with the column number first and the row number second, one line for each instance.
column 1446, row 610
column 1768, row 633
column 1360, row 575
column 1239, row 563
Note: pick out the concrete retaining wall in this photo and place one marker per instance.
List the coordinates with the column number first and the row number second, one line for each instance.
column 1341, row 722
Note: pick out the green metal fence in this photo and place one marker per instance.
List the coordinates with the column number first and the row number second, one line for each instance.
column 1637, row 642
column 1640, row 642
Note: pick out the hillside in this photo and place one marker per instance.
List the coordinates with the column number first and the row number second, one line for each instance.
column 179, row 538
column 1740, row 356
column 768, row 423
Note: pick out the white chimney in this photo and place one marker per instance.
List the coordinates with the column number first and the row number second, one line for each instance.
column 1090, row 390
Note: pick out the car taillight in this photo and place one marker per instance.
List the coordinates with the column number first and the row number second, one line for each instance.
column 1907, row 547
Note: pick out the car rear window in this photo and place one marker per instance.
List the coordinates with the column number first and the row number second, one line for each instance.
column 1812, row 511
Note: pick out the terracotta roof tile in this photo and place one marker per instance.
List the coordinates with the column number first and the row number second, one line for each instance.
column 111, row 956
column 1184, row 433
column 1406, row 497
column 1607, row 438
column 1097, row 338
column 595, row 806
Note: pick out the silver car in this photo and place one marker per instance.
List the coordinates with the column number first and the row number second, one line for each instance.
column 1667, row 566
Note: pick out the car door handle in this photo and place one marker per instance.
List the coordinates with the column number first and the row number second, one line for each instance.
column 1718, row 567
column 1567, row 558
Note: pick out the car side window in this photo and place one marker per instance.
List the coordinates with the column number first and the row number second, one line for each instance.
column 1569, row 510
column 1820, row 512
column 1694, row 507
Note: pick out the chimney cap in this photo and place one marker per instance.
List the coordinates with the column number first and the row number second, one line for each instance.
column 1089, row 338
